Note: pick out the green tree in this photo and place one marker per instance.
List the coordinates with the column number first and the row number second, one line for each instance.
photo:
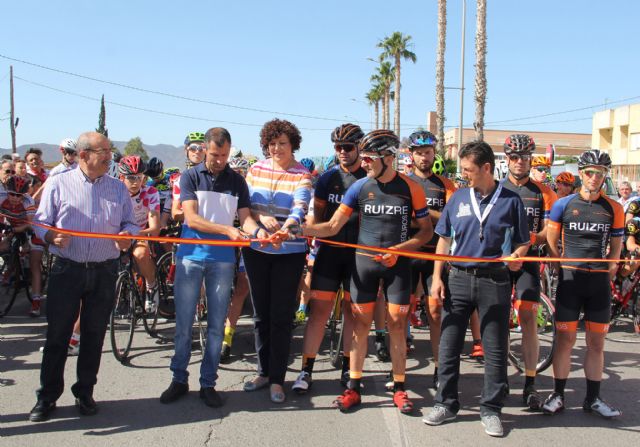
column 442, row 39
column 135, row 147
column 102, row 120
column 374, row 97
column 396, row 48
column 384, row 76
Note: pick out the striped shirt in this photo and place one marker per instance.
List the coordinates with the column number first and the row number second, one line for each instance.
column 283, row 194
column 62, row 167
column 71, row 201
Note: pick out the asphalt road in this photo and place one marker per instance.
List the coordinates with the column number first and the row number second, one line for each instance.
column 131, row 414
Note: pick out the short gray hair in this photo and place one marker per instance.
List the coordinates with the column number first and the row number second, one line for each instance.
column 625, row 184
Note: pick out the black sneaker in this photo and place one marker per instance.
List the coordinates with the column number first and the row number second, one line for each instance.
column 382, row 353
column 41, row 411
column 531, row 398
column 174, row 392
column 225, row 354
column 211, row 397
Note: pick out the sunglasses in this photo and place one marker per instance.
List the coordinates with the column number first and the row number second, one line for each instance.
column 195, row 148
column 347, row 147
column 542, row 169
column 15, row 194
column 424, row 142
column 70, row 152
column 9, row 171
column 518, row 157
column 370, row 158
column 594, row 172
column 134, row 178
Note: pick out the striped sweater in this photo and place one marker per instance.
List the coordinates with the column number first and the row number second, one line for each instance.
column 284, row 194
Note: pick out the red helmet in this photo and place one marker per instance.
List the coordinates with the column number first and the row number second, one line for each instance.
column 566, row 177
column 17, row 184
column 131, row 165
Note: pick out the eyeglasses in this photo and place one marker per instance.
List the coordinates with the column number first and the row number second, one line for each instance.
column 518, row 157
column 370, row 158
column 133, row 178
column 15, row 194
column 70, row 152
column 9, row 171
column 101, row 152
column 347, row 147
column 195, row 148
column 594, row 172
column 541, row 169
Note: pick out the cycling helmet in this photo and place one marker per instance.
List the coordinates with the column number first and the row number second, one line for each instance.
column 170, row 171
column 154, row 168
column 113, row 168
column 438, row 165
column 194, row 137
column 421, row 138
column 308, row 163
column 407, row 160
column 594, row 157
column 239, row 163
column 131, row 165
column 382, row 141
column 252, row 159
column 347, row 133
column 329, row 163
column 68, row 144
column 540, row 160
column 235, row 152
column 519, row 143
column 566, row 177
column 17, row 184
column 462, row 181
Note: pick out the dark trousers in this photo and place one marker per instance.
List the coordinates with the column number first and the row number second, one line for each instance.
column 71, row 285
column 274, row 281
column 491, row 295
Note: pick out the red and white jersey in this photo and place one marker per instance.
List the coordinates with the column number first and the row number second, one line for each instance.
column 147, row 200
column 174, row 181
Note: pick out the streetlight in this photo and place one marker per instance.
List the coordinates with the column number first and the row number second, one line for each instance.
column 464, row 14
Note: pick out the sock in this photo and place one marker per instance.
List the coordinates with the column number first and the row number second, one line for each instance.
column 380, row 333
column 345, row 363
column 75, row 339
column 435, row 371
column 35, row 297
column 302, row 307
column 228, row 335
column 354, row 383
column 398, row 382
column 529, row 379
column 558, row 386
column 477, row 342
column 308, row 362
column 593, row 390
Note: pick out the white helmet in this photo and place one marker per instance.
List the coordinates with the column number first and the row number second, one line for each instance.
column 501, row 170
column 113, row 169
column 68, row 144
column 235, row 152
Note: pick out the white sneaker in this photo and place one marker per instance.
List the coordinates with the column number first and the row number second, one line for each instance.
column 302, row 383
column 554, row 404
column 152, row 300
column 602, row 408
column 492, row 425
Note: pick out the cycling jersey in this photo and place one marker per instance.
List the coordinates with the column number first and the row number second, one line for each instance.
column 633, row 207
column 16, row 214
column 164, row 185
column 586, row 227
column 537, row 199
column 146, row 201
column 330, row 190
column 438, row 190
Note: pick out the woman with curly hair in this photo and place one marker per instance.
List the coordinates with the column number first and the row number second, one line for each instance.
column 280, row 189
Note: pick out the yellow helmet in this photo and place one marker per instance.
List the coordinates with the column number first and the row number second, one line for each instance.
column 540, row 160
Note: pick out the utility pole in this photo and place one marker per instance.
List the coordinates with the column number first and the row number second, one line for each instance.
column 460, row 130
column 12, row 118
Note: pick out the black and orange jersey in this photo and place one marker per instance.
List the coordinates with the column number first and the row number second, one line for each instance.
column 330, row 190
column 437, row 189
column 537, row 199
column 586, row 227
column 385, row 209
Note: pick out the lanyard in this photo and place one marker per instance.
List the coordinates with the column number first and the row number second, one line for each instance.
column 487, row 210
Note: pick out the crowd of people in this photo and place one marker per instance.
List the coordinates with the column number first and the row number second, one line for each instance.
column 275, row 208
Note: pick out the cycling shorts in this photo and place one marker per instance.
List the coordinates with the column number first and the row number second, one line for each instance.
column 367, row 276
column 332, row 269
column 527, row 284
column 583, row 291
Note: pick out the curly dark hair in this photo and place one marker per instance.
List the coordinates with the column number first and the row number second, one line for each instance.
column 276, row 127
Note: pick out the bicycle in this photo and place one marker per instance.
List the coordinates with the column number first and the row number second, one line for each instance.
column 335, row 324
column 129, row 308
column 546, row 330
column 15, row 273
column 625, row 299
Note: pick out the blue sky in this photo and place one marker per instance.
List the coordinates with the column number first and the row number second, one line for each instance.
column 305, row 58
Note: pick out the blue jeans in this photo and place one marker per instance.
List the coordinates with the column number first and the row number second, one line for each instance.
column 218, row 278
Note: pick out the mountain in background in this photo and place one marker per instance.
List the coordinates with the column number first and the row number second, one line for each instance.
column 170, row 155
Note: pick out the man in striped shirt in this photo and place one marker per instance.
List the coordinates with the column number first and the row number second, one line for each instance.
column 84, row 270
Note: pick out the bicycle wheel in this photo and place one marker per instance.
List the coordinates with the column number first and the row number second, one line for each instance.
column 165, row 272
column 123, row 320
column 336, row 323
column 546, row 330
column 201, row 317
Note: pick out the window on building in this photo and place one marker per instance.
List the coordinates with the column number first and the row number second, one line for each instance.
column 634, row 142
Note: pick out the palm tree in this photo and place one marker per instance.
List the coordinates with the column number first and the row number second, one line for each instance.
column 442, row 37
column 396, row 48
column 384, row 76
column 374, row 97
column 481, row 68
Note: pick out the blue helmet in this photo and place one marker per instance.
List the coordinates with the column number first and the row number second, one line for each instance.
column 308, row 163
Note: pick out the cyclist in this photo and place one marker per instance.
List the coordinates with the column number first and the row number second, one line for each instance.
column 333, row 264
column 194, row 151
column 427, row 172
column 146, row 208
column 18, row 209
column 69, row 154
column 36, row 171
column 537, row 199
column 564, row 184
column 540, row 169
column 587, row 221
column 385, row 202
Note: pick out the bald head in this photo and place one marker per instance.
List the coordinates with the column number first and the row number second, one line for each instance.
column 92, row 140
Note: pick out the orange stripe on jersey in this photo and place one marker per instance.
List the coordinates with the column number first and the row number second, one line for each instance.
column 618, row 213
column 548, row 196
column 600, row 328
column 364, row 308
column 530, row 306
column 418, row 199
column 555, row 225
column 566, row 326
column 449, row 187
column 398, row 309
column 344, row 209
